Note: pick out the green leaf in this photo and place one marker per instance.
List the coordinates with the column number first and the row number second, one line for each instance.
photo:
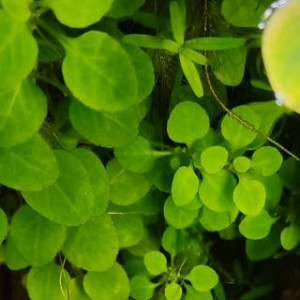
column 266, row 160
column 290, row 237
column 125, row 187
column 155, row 262
column 248, row 202
column 137, row 156
column 152, row 42
column 193, row 55
column 82, row 14
column 3, row 225
column 48, row 282
column 203, row 278
column 173, row 291
column 214, row 158
column 98, row 178
column 17, row 9
column 69, row 201
column 216, row 191
column 191, row 74
column 256, row 227
column 235, row 133
column 21, row 170
column 76, row 290
column 185, row 186
column 177, row 17
column 107, row 285
column 106, row 129
column 216, row 221
column 17, row 106
column 177, row 216
column 130, row 228
column 92, row 246
column 99, row 72
column 141, row 288
column 192, row 294
column 273, row 186
column 143, row 69
column 215, row 43
column 241, row 164
column 124, row 8
column 18, row 52
column 188, row 122
column 258, row 292
column 37, row 239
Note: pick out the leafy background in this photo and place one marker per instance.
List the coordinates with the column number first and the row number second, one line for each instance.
column 121, row 175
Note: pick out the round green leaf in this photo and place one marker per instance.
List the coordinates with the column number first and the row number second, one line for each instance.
column 141, row 288
column 137, row 156
column 106, row 129
column 83, row 14
column 155, row 262
column 203, row 278
column 76, row 290
column 17, row 106
column 98, row 178
column 111, row 284
column 192, row 294
column 173, row 291
column 249, row 196
column 214, row 158
column 92, row 246
column 37, row 239
column 47, row 282
column 3, row 225
column 185, row 186
column 177, row 216
column 69, row 201
column 266, row 160
column 125, row 187
column 17, row 9
column 290, row 237
column 216, row 191
column 21, row 170
column 188, row 122
column 242, row 164
column 99, row 72
column 235, row 133
column 256, row 227
column 124, row 8
column 216, row 221
column 130, row 229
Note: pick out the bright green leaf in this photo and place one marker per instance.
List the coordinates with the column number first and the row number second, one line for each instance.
column 111, row 284
column 92, row 246
column 241, row 164
column 17, row 106
column 141, row 288
column 214, row 158
column 21, row 170
column 173, row 291
column 124, row 8
column 215, row 43
column 76, row 290
column 69, row 201
column 290, row 237
column 17, row 9
column 3, row 225
column 249, row 196
column 193, row 55
column 192, row 294
column 155, row 262
column 177, row 16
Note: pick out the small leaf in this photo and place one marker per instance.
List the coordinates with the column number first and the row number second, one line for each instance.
column 82, row 14
column 106, row 129
column 214, row 158
column 69, row 201
column 111, row 284
column 17, row 9
column 92, row 246
column 193, row 55
column 256, row 227
column 125, row 187
column 48, row 282
column 290, row 237
column 37, row 239
column 3, row 225
column 241, row 164
column 248, row 202
column 188, row 122
column 99, row 72
column 185, row 186
column 215, row 43
column 155, row 262
column 273, row 185
column 192, row 294
column 266, row 160
column 21, row 170
column 136, row 157
column 124, row 8
column 173, row 291
column 203, row 278
column 177, row 17
column 192, row 75
column 141, row 288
